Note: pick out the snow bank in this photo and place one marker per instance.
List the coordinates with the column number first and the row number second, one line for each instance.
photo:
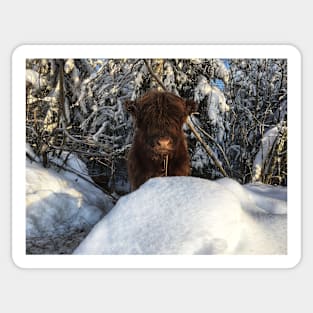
column 188, row 215
column 57, row 202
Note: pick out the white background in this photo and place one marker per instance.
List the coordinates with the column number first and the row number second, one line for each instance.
column 155, row 290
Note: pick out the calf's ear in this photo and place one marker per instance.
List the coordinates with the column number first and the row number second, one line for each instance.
column 191, row 106
column 131, row 107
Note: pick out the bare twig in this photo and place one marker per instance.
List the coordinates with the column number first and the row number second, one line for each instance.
column 84, row 178
column 154, row 75
column 216, row 143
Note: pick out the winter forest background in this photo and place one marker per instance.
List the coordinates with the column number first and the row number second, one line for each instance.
column 75, row 106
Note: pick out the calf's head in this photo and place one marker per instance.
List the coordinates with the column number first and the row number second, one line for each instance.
column 159, row 117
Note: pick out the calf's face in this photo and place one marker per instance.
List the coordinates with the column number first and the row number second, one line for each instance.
column 159, row 117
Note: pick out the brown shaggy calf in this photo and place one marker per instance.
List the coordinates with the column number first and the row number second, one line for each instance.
column 159, row 146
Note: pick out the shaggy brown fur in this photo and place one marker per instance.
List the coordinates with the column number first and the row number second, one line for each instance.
column 158, row 117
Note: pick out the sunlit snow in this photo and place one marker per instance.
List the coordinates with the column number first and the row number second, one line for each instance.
column 188, row 215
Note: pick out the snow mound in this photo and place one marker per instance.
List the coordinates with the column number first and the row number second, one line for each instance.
column 188, row 215
column 59, row 202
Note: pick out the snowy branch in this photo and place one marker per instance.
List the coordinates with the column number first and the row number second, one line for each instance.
column 206, row 147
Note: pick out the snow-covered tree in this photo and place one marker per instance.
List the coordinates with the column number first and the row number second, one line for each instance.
column 79, row 110
column 257, row 138
column 76, row 106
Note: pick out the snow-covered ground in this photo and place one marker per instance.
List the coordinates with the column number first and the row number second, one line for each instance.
column 188, row 215
column 168, row 215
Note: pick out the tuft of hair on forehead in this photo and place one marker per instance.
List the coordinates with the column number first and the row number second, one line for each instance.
column 161, row 103
column 160, row 97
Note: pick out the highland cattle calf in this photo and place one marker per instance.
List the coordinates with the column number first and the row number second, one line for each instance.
column 159, row 145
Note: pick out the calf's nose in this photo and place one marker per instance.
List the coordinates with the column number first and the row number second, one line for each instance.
column 164, row 143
